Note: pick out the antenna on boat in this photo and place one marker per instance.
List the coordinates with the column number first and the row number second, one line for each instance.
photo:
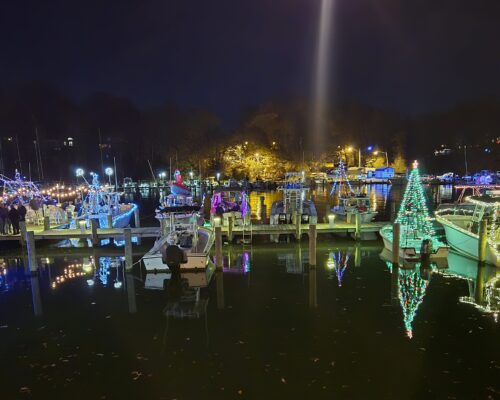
column 152, row 173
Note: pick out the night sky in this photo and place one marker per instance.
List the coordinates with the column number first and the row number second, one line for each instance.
column 411, row 56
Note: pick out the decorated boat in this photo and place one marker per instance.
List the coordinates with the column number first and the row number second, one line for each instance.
column 418, row 238
column 349, row 202
column 178, row 188
column 99, row 204
column 227, row 204
column 462, row 223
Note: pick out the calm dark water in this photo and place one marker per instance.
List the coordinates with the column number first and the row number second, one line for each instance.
column 266, row 327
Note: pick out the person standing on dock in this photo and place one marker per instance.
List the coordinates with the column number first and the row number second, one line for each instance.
column 14, row 219
column 4, row 214
column 22, row 212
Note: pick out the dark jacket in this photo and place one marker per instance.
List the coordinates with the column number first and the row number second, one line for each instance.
column 4, row 213
column 13, row 215
column 22, row 212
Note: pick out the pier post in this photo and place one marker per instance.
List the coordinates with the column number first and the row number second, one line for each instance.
column 127, row 233
column 393, row 211
column 312, row 245
column 30, row 244
column 483, row 240
column 357, row 233
column 396, row 229
column 298, row 233
column 479, row 287
column 110, row 221
column 94, row 223
column 230, row 225
column 263, row 210
column 218, row 247
column 137, row 223
column 357, row 255
column 36, row 298
column 348, row 217
column 163, row 226
column 22, row 232
column 46, row 223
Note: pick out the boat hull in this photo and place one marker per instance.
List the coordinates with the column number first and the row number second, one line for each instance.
column 467, row 243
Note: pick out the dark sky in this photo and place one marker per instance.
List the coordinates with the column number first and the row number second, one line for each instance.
column 412, row 56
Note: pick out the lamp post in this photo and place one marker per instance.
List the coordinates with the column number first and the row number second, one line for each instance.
column 386, row 157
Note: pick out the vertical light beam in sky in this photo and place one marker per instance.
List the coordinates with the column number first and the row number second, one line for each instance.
column 322, row 77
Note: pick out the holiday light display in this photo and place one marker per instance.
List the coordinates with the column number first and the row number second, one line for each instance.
column 412, row 290
column 413, row 214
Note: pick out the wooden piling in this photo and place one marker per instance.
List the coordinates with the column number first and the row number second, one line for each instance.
column 30, row 244
column 230, row 225
column 94, row 224
column 137, row 223
column 312, row 245
column 393, row 211
column 483, row 240
column 218, row 247
column 396, row 229
column 298, row 220
column 110, row 221
column 263, row 210
column 46, row 223
column 127, row 233
column 357, row 233
column 22, row 233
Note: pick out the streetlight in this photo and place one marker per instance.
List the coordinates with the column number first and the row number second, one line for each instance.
column 191, row 175
column 79, row 172
column 218, row 176
column 109, row 171
column 386, row 157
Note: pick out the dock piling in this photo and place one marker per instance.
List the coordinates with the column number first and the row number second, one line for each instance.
column 127, row 232
column 298, row 220
column 137, row 222
column 218, row 247
column 110, row 221
column 483, row 240
column 396, row 229
column 357, row 234
column 312, row 245
column 46, row 223
column 230, row 225
column 22, row 232
column 30, row 244
column 94, row 224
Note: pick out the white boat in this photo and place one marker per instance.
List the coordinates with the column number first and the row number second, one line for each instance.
column 294, row 202
column 185, row 246
column 417, row 237
column 348, row 201
column 461, row 225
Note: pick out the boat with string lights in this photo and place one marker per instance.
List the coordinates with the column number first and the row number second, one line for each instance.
column 233, row 204
column 101, row 203
column 418, row 238
column 462, row 225
column 349, row 202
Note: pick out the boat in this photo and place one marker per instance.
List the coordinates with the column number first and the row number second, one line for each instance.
column 294, row 202
column 180, row 203
column 418, row 239
column 348, row 201
column 178, row 188
column 99, row 204
column 462, row 222
column 184, row 247
column 233, row 204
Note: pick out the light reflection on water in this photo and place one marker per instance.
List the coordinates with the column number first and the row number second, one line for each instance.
column 265, row 302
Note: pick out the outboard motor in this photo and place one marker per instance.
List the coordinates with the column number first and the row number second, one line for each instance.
column 173, row 256
column 282, row 218
column 304, row 218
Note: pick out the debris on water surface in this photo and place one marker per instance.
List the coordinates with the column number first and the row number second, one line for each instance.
column 24, row 390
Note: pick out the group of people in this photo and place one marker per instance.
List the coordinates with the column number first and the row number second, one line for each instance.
column 10, row 216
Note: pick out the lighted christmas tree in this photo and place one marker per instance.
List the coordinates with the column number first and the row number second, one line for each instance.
column 413, row 213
